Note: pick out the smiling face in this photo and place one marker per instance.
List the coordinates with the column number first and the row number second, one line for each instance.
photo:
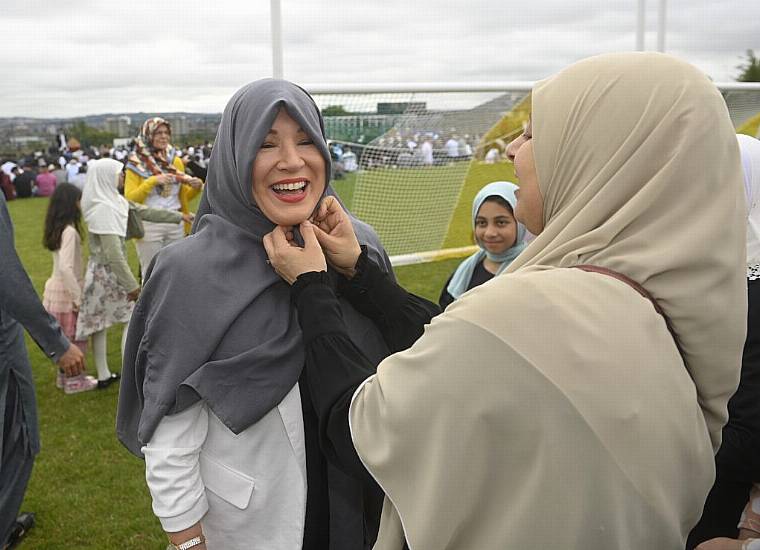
column 495, row 227
column 288, row 173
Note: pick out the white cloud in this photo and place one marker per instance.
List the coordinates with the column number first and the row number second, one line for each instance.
column 69, row 59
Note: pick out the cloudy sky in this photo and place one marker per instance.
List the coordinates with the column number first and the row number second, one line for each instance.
column 88, row 57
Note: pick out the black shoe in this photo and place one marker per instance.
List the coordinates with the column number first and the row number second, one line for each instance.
column 23, row 523
column 103, row 384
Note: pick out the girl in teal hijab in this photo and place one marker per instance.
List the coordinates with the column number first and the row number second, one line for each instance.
column 498, row 235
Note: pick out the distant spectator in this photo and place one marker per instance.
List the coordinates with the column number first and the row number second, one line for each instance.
column 465, row 150
column 194, row 165
column 60, row 174
column 336, row 155
column 45, row 181
column 24, row 182
column 350, row 163
column 404, row 159
column 493, row 155
column 8, row 167
column 427, row 153
column 80, row 178
column 337, row 150
column 9, row 191
column 452, row 147
column 72, row 169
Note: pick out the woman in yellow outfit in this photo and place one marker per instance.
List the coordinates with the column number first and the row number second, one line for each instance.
column 156, row 177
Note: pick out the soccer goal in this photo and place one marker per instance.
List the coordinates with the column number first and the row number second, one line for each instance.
column 409, row 158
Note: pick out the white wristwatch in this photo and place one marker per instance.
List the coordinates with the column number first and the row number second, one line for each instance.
column 192, row 543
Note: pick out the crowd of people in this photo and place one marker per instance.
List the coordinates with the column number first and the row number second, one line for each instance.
column 581, row 366
column 37, row 175
column 403, row 148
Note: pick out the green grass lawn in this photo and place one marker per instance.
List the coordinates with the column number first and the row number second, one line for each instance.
column 88, row 492
column 420, row 209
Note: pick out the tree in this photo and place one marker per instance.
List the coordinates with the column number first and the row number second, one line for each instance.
column 334, row 110
column 750, row 69
column 87, row 135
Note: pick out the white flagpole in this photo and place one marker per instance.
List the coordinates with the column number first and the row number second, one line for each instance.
column 640, row 21
column 661, row 25
column 277, row 69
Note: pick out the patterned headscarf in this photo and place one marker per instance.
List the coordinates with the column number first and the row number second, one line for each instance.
column 145, row 161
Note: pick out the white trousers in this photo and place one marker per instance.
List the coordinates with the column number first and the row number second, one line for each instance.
column 157, row 236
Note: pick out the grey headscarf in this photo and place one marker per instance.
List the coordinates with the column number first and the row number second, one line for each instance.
column 214, row 321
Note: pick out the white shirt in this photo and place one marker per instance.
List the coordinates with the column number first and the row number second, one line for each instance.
column 155, row 200
column 452, row 147
column 349, row 162
column 427, row 152
column 72, row 169
column 8, row 167
column 247, row 490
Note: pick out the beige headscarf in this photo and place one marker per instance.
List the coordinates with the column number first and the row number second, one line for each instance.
column 579, row 424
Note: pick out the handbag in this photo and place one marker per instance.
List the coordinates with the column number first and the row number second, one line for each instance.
column 135, row 228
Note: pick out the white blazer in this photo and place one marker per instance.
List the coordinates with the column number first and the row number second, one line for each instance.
column 247, row 490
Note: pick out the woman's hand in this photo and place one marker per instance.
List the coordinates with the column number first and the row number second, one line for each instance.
column 290, row 260
column 72, row 361
column 188, row 218
column 335, row 234
column 195, row 183
column 165, row 179
column 133, row 295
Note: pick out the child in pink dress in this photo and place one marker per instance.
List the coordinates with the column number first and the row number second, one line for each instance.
column 63, row 290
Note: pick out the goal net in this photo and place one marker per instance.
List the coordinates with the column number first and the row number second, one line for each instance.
column 409, row 163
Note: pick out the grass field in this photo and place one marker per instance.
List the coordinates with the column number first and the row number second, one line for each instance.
column 88, row 492
column 420, row 209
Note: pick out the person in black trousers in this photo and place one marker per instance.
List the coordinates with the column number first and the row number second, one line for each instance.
column 19, row 439
column 737, row 463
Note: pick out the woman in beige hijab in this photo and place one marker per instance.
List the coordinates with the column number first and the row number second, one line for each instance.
column 566, row 408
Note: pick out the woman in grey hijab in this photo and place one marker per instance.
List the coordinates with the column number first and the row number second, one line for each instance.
column 213, row 395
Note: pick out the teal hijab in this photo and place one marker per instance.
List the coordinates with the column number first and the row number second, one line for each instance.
column 463, row 274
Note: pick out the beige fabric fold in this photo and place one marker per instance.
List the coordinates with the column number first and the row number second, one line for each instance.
column 551, row 408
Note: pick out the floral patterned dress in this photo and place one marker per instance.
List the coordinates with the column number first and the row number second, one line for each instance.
column 104, row 298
